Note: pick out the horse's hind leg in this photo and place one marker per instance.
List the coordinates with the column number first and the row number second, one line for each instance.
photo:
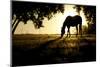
column 76, row 30
column 80, row 29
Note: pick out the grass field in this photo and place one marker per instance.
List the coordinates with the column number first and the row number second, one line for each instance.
column 50, row 49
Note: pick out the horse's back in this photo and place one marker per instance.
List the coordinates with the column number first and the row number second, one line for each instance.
column 77, row 19
column 73, row 20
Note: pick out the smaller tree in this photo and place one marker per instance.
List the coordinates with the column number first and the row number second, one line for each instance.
column 78, row 8
column 90, row 15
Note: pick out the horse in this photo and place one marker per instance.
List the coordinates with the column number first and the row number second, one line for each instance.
column 73, row 21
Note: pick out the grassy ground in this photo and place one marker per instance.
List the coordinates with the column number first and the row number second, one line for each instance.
column 50, row 49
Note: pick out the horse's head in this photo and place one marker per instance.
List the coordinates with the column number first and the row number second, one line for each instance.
column 62, row 31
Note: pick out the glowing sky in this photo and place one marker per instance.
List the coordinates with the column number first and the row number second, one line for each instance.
column 53, row 26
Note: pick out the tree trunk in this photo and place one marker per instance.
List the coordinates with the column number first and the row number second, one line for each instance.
column 14, row 22
column 79, row 13
column 13, row 30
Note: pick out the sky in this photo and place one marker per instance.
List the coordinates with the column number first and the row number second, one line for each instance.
column 52, row 26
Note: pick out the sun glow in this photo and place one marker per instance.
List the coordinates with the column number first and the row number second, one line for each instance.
column 52, row 26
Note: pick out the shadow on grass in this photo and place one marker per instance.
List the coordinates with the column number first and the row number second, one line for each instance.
column 26, row 56
column 44, row 55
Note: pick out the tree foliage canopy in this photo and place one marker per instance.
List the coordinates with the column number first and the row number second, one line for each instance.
column 35, row 11
column 89, row 12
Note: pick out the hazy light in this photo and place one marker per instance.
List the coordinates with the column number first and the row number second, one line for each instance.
column 71, row 14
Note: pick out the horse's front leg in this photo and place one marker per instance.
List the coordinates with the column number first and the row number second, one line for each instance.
column 68, row 32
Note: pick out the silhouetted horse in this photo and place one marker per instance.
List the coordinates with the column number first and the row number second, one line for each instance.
column 72, row 21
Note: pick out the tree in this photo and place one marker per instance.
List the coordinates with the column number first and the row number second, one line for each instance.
column 90, row 14
column 78, row 8
column 36, row 12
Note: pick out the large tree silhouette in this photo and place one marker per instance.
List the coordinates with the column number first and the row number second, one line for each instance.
column 36, row 12
column 90, row 14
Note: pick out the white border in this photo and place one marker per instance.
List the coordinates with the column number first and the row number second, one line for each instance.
column 5, row 33
column 86, row 2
